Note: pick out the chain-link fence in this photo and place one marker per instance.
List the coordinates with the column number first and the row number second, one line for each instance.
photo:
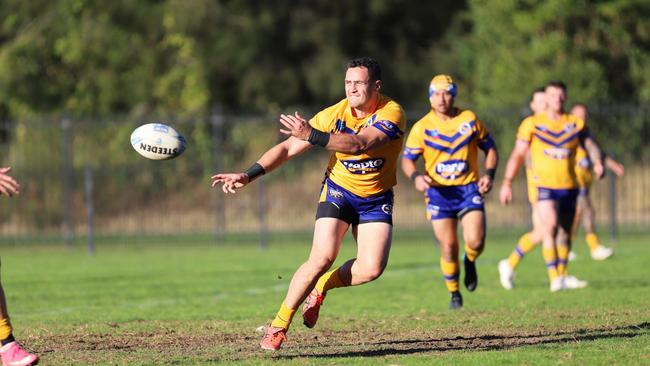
column 81, row 179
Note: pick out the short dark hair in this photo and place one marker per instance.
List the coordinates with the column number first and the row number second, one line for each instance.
column 541, row 89
column 557, row 84
column 374, row 70
column 582, row 105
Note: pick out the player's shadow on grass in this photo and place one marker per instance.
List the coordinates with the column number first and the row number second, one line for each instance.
column 486, row 342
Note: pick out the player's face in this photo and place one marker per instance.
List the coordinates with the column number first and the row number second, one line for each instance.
column 580, row 112
column 359, row 89
column 555, row 98
column 538, row 104
column 442, row 101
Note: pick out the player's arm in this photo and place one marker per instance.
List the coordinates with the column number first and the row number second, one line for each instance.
column 8, row 185
column 515, row 161
column 491, row 161
column 594, row 152
column 271, row 159
column 614, row 166
column 367, row 139
column 421, row 181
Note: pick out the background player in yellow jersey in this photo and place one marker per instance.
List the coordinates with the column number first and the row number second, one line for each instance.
column 552, row 138
column 529, row 240
column 11, row 352
column 585, row 212
column 584, row 177
column 364, row 131
column 448, row 139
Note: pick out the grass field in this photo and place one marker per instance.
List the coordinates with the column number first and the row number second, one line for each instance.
column 188, row 302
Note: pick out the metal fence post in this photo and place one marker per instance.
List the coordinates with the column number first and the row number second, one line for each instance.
column 90, row 208
column 261, row 211
column 66, row 141
column 217, row 122
column 613, row 223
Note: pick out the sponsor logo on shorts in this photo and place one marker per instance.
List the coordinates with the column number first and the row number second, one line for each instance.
column 433, row 210
column 335, row 193
column 557, row 153
column 387, row 208
column 477, row 200
column 543, row 194
column 452, row 169
column 363, row 166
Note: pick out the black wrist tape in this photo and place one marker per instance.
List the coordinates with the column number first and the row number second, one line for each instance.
column 414, row 175
column 490, row 173
column 255, row 171
column 317, row 137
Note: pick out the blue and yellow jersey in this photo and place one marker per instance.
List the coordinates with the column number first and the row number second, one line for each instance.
column 553, row 147
column 449, row 147
column 372, row 172
column 584, row 175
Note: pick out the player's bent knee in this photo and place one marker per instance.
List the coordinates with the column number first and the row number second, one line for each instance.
column 476, row 244
column 371, row 274
column 371, row 271
column 320, row 265
column 375, row 272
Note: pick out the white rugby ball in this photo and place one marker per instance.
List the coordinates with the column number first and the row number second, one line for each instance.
column 157, row 141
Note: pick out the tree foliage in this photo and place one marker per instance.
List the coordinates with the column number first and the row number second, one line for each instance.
column 185, row 57
column 596, row 47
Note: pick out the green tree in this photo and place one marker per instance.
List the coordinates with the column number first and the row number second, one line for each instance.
column 596, row 47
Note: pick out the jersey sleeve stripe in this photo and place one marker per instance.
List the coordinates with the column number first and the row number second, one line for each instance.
column 412, row 153
column 389, row 128
column 487, row 143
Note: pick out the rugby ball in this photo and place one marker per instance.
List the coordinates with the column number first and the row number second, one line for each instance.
column 157, row 141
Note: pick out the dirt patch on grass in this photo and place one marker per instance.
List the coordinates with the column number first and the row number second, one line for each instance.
column 166, row 346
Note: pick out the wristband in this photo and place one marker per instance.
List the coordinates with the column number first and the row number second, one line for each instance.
column 414, row 175
column 317, row 137
column 255, row 171
column 491, row 172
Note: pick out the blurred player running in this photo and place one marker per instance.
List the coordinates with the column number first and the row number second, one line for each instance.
column 552, row 138
column 11, row 352
column 528, row 241
column 585, row 210
column 448, row 139
column 364, row 132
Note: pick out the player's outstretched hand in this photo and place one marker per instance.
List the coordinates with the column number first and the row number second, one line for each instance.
column 505, row 196
column 484, row 184
column 616, row 167
column 296, row 126
column 8, row 185
column 230, row 181
column 423, row 182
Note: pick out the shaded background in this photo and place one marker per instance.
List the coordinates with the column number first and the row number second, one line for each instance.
column 76, row 77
